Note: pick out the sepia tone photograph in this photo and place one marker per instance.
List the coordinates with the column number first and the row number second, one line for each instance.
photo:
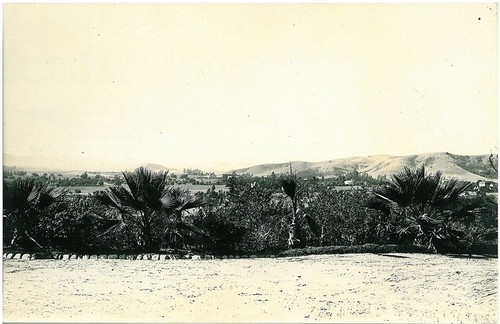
column 250, row 162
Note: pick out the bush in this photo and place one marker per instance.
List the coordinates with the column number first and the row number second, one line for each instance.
column 344, row 218
column 366, row 248
column 70, row 225
column 223, row 236
column 252, row 213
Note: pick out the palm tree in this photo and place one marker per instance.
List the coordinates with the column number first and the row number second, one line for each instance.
column 424, row 205
column 492, row 158
column 143, row 204
column 290, row 187
column 23, row 204
column 137, row 205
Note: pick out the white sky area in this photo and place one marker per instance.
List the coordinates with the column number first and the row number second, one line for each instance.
column 221, row 86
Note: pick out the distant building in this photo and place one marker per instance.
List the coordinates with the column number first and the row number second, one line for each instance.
column 486, row 186
column 469, row 194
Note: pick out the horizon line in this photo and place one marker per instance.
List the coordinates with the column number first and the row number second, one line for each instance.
column 177, row 168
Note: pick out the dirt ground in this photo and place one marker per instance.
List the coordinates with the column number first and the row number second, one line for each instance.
column 369, row 288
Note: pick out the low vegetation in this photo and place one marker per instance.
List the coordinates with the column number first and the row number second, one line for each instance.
column 280, row 215
column 344, row 249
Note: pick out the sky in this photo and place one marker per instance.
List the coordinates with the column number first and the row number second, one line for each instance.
column 221, row 86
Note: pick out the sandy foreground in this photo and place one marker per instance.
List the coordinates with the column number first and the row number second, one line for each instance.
column 329, row 288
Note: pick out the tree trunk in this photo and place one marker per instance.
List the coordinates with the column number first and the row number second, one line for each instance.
column 18, row 234
column 147, row 239
column 32, row 240
column 322, row 236
column 178, row 218
column 292, row 232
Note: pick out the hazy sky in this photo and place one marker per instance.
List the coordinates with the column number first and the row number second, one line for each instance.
column 101, row 86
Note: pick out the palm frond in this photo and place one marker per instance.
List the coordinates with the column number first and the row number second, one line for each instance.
column 170, row 202
column 427, row 186
column 146, row 187
column 123, row 196
column 378, row 204
column 110, row 200
column 47, row 195
column 313, row 225
column 467, row 212
column 405, row 185
column 408, row 230
column 180, row 199
column 413, row 187
column 190, row 228
column 23, row 194
column 393, row 204
column 194, row 201
column 448, row 192
column 114, row 226
column 289, row 185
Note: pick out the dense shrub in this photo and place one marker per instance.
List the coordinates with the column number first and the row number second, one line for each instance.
column 261, row 213
column 343, row 217
column 222, row 236
column 68, row 224
column 480, row 227
column 250, row 210
column 254, row 215
column 76, row 224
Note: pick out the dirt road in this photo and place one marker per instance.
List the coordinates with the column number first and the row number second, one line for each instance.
column 329, row 288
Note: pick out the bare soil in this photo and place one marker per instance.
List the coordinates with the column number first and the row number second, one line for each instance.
column 369, row 288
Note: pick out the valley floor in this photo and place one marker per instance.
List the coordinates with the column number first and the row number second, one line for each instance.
column 329, row 288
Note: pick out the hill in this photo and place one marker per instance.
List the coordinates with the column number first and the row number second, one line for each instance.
column 158, row 167
column 463, row 167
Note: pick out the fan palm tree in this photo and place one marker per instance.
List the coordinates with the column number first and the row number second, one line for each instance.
column 137, row 204
column 24, row 201
column 425, row 204
column 144, row 204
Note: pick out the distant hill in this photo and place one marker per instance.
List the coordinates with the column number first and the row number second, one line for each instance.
column 70, row 167
column 158, row 167
column 52, row 164
column 463, row 167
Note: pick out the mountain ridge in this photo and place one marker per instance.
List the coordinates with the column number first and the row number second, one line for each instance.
column 462, row 167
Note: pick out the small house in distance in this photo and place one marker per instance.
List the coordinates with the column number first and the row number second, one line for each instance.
column 486, row 186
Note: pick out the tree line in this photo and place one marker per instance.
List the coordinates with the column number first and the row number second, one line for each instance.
column 147, row 214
